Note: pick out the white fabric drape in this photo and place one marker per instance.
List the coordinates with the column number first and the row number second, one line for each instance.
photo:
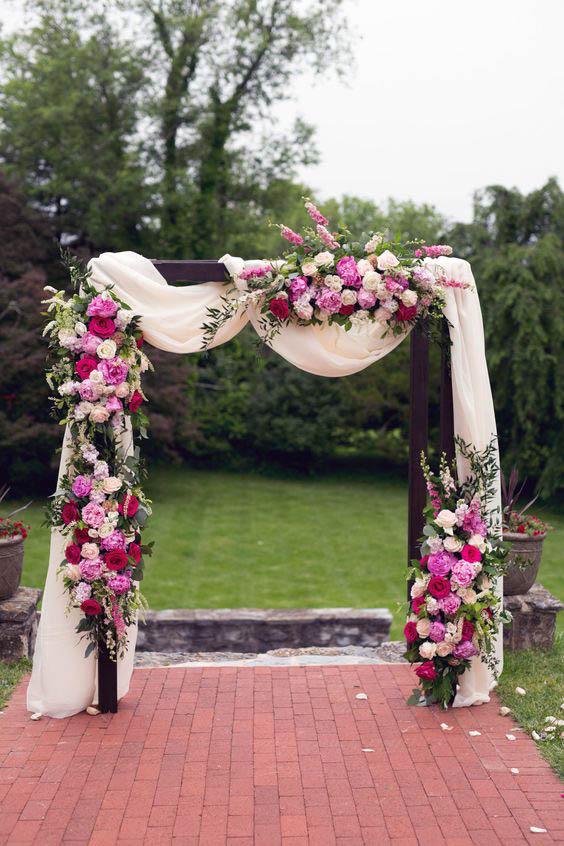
column 63, row 682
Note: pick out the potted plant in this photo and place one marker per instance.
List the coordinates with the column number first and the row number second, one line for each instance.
column 524, row 535
column 12, row 536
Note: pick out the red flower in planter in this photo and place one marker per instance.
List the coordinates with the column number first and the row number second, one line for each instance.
column 91, row 607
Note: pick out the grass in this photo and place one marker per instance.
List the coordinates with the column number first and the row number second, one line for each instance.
column 541, row 674
column 234, row 540
column 10, row 674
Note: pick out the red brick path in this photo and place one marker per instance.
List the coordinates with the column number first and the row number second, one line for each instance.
column 245, row 756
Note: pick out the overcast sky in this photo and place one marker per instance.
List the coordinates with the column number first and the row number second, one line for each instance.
column 445, row 97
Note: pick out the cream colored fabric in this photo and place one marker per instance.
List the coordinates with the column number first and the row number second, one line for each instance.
column 171, row 318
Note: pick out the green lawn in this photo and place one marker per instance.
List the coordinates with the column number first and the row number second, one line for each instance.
column 232, row 540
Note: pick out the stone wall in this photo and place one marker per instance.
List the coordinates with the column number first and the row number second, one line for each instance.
column 261, row 630
column 18, row 624
column 534, row 619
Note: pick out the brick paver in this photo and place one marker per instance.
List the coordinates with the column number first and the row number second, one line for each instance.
column 266, row 756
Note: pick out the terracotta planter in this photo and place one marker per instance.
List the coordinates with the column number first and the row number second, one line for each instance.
column 524, row 561
column 11, row 563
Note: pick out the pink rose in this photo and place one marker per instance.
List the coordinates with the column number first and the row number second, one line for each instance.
column 471, row 553
column 348, row 271
column 450, row 604
column 90, row 343
column 329, row 301
column 440, row 563
column 114, row 370
column 90, row 569
column 366, row 299
column 464, row 573
column 101, row 307
column 104, row 327
column 93, row 515
column 82, row 486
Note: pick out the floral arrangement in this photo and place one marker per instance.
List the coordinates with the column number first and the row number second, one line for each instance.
column 515, row 519
column 328, row 277
column 95, row 366
column 10, row 529
column 454, row 612
column 525, row 524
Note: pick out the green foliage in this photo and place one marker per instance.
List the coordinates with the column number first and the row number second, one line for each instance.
column 10, row 675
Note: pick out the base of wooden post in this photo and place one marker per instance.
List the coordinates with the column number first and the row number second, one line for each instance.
column 107, row 681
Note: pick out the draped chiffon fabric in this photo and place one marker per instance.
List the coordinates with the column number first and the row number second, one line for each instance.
column 63, row 682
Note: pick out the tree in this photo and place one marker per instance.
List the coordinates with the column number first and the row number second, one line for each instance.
column 516, row 247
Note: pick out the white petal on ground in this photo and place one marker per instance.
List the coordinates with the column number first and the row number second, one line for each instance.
column 511, row 737
column 367, row 750
column 446, row 727
column 361, row 696
column 475, row 733
column 521, row 691
column 504, row 710
column 536, row 830
column 514, row 770
column 36, row 716
column 535, row 735
column 550, row 719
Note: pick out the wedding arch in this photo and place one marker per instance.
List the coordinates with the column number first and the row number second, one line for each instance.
column 172, row 317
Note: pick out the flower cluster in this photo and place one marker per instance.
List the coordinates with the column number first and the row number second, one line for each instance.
column 329, row 277
column 12, row 529
column 526, row 524
column 454, row 612
column 96, row 362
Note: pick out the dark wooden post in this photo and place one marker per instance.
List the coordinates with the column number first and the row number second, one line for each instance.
column 418, row 437
column 107, row 681
column 446, row 409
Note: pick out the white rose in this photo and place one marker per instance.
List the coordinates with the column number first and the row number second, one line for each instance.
column 99, row 414
column 452, row 544
column 382, row 315
column 107, row 349
column 105, row 529
column 468, row 596
column 434, row 543
column 121, row 390
column 111, row 484
column 333, row 282
column 445, row 519
column 113, row 515
column 409, row 297
column 444, row 648
column 361, row 314
column 82, row 410
column 418, row 588
column 324, row 259
column 428, row 649
column 364, row 267
column 423, row 627
column 80, row 328
column 371, row 245
column 432, row 605
column 71, row 571
column 93, row 533
column 124, row 316
column 387, row 260
column 348, row 297
column 96, row 377
column 66, row 337
column 478, row 541
column 371, row 280
column 309, row 268
column 303, row 310
column 89, row 550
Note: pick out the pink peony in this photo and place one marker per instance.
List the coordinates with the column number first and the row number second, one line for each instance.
column 348, row 271
column 113, row 404
column 114, row 541
column 82, row 486
column 464, row 650
column 88, row 391
column 471, row 553
column 298, row 287
column 119, row 583
column 114, row 370
column 101, row 307
column 440, row 563
column 437, row 632
column 90, row 343
column 93, row 515
column 464, row 573
column 366, row 299
column 329, row 301
column 450, row 604
column 90, row 568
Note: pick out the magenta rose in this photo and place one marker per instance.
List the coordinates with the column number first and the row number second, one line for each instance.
column 440, row 563
column 467, row 630
column 114, row 370
column 120, row 583
column 101, row 307
column 69, row 512
column 464, row 650
column 439, row 587
column 348, row 272
column 116, row 560
column 103, row 327
column 366, row 299
column 93, row 515
column 426, row 671
column 298, row 287
column 464, row 573
column 72, row 553
column 135, row 401
column 279, row 307
column 85, row 365
column 82, row 486
column 410, row 632
column 132, row 505
column 90, row 569
column 471, row 553
column 406, row 313
column 417, row 603
column 91, row 607
column 450, row 604
column 329, row 300
column 437, row 632
column 114, row 541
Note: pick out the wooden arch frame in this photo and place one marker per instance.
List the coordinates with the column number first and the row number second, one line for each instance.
column 194, row 272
